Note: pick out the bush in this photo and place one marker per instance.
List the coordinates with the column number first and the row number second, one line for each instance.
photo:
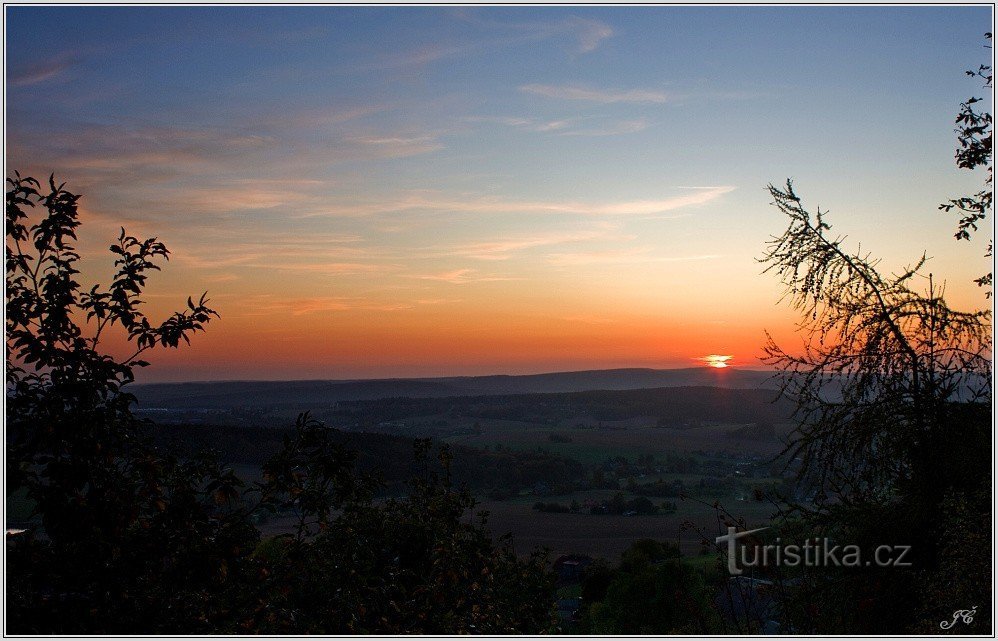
column 557, row 508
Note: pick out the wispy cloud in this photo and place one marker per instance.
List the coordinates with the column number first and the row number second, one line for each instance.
column 565, row 127
column 240, row 198
column 215, row 248
column 585, row 35
column 124, row 149
column 590, row 33
column 588, row 94
column 461, row 277
column 698, row 197
column 43, row 70
column 436, row 202
column 612, row 129
column 399, row 145
column 328, row 267
column 172, row 173
column 310, row 118
column 427, row 54
column 509, row 121
column 267, row 305
column 505, row 249
column 527, row 124
column 619, row 257
column 409, row 60
column 219, row 278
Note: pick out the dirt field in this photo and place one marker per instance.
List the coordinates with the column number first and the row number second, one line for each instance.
column 608, row 535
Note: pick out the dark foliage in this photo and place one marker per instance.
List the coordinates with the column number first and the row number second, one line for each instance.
column 555, row 508
column 651, row 592
column 411, row 565
column 975, row 134
column 132, row 539
column 117, row 517
column 893, row 396
column 386, row 455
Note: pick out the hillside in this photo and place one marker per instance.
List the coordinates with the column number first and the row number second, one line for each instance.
column 305, row 394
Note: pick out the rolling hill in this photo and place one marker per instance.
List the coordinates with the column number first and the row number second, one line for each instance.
column 288, row 394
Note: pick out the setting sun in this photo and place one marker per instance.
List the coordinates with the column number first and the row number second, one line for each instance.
column 355, row 210
column 715, row 360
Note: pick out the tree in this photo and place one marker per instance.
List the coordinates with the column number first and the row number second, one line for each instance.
column 893, row 398
column 128, row 531
column 134, row 539
column 974, row 132
column 652, row 592
column 409, row 565
column 893, row 404
column 884, row 366
column 67, row 415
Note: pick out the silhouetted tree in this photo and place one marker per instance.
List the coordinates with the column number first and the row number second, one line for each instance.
column 883, row 364
column 893, row 398
column 66, row 412
column 974, row 132
column 410, row 565
column 117, row 517
column 135, row 540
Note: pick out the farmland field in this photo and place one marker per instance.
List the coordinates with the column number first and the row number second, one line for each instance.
column 606, row 535
column 594, row 445
column 585, row 473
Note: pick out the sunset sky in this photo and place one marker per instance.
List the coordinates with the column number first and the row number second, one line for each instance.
column 379, row 192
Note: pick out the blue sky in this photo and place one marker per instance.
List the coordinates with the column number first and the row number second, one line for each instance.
column 388, row 176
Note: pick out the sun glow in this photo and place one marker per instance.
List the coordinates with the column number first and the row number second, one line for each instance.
column 715, row 360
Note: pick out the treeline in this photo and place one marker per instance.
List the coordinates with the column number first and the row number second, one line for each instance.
column 670, row 405
column 616, row 505
column 499, row 472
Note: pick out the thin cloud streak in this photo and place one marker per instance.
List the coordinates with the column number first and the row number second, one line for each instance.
column 397, row 145
column 506, row 249
column 432, row 202
column 588, row 34
column 592, row 33
column 208, row 250
column 265, row 305
column 575, row 92
column 44, row 70
column 620, row 128
column 566, row 127
column 639, row 255
column 461, row 277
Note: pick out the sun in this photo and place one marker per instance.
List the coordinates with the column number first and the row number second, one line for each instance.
column 718, row 361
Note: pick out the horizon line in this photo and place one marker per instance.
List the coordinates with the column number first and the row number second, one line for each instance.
column 453, row 377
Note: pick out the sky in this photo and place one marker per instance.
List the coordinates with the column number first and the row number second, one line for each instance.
column 423, row 191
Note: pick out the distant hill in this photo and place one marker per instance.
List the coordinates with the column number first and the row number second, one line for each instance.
column 297, row 394
column 673, row 407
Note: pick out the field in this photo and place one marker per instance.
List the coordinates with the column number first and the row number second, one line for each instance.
column 607, row 535
column 608, row 468
column 593, row 445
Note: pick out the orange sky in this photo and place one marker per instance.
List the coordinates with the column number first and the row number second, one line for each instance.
column 491, row 190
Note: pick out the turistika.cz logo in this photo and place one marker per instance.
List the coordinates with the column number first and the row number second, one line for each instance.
column 817, row 552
